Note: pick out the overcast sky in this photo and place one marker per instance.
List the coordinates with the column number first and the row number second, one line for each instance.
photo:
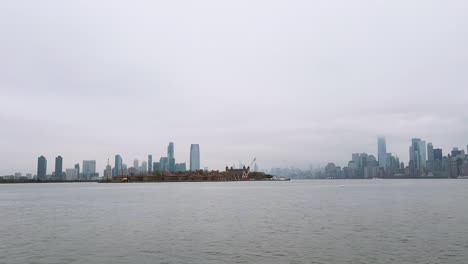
column 292, row 83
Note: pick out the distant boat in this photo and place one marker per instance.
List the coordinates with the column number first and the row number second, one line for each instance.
column 280, row 179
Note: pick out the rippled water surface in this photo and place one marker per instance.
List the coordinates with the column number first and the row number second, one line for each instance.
column 358, row 221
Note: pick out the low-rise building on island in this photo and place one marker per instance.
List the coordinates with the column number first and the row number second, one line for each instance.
column 230, row 174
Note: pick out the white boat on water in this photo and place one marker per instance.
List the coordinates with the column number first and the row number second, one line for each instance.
column 280, row 179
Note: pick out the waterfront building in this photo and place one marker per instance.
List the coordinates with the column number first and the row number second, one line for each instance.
column 382, row 151
column 362, row 163
column 108, row 171
column 150, row 163
column 136, row 163
column 71, row 174
column 456, row 152
column 77, row 167
column 117, row 166
column 437, row 154
column 423, row 154
column 89, row 169
column 133, row 171
column 371, row 172
column 453, row 166
column 348, row 173
column 124, row 169
column 41, row 168
column 163, row 161
column 430, row 157
column 194, row 157
column 392, row 165
column 430, row 152
column 418, row 154
column 180, row 167
column 157, row 166
column 170, row 150
column 144, row 167
column 59, row 168
column 171, row 165
column 464, row 171
column 371, row 168
column 331, row 171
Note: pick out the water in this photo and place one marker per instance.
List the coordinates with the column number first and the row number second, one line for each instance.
column 356, row 221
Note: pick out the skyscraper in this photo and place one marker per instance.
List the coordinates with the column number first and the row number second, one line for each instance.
column 41, row 168
column 89, row 168
column 58, row 168
column 108, row 171
column 430, row 152
column 117, row 166
column 124, row 169
column 171, row 165
column 150, row 163
column 170, row 150
column 164, row 163
column 77, row 167
column 194, row 157
column 382, row 151
column 422, row 147
column 438, row 154
column 136, row 163
column 418, row 154
column 457, row 152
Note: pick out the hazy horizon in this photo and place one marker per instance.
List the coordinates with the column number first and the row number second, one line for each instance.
column 292, row 83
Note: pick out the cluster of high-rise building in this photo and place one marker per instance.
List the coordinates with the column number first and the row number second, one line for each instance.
column 88, row 169
column 165, row 164
column 424, row 161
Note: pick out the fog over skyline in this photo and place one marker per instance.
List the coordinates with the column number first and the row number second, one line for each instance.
column 292, row 83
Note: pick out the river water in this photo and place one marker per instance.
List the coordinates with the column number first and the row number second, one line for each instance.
column 315, row 221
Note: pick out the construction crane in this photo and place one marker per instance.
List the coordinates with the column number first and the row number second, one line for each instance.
column 245, row 174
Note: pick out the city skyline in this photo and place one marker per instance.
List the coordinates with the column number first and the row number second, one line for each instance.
column 292, row 84
column 418, row 151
